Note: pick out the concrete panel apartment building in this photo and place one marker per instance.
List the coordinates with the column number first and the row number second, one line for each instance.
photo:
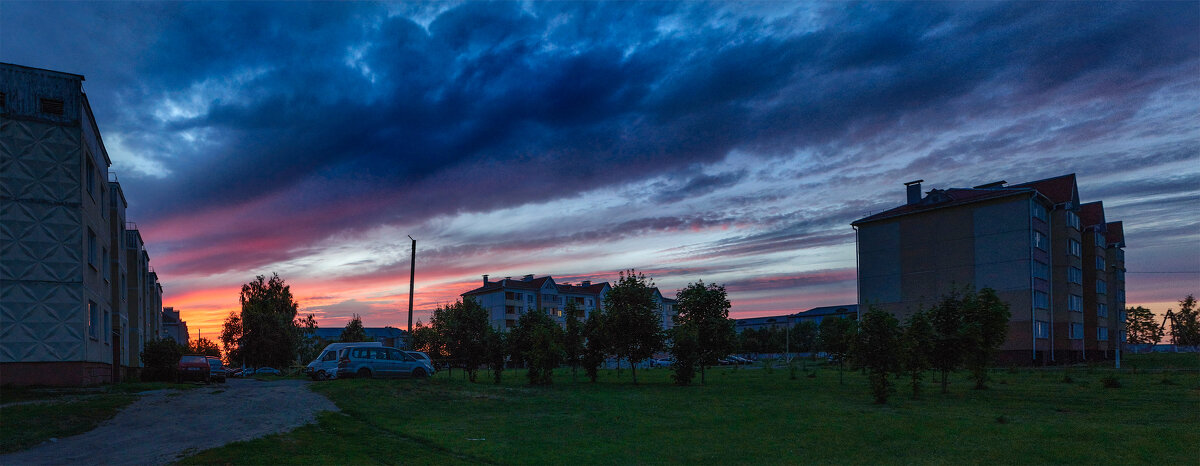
column 66, row 314
column 506, row 299
column 1059, row 264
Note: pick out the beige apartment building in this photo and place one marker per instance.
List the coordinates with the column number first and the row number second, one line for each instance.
column 1044, row 253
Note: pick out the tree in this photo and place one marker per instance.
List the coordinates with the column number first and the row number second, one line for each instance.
column 706, row 310
column 310, row 344
column 836, row 336
column 947, row 349
column 803, row 337
column 426, row 340
column 985, row 327
column 632, row 322
column 686, row 350
column 269, row 332
column 875, row 347
column 205, row 347
column 595, row 347
column 573, row 339
column 1185, row 329
column 916, row 346
column 161, row 357
column 537, row 341
column 231, row 338
column 1141, row 327
column 354, row 331
column 461, row 328
column 497, row 352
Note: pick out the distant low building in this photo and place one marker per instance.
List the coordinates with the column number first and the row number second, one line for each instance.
column 388, row 336
column 174, row 327
column 507, row 299
column 814, row 315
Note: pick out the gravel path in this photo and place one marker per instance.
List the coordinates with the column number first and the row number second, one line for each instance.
column 165, row 425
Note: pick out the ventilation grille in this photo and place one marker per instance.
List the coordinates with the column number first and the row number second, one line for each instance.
column 52, row 106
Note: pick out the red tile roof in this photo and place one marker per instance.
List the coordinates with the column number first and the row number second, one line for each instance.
column 593, row 289
column 948, row 198
column 1059, row 189
column 1115, row 234
column 1091, row 214
column 535, row 284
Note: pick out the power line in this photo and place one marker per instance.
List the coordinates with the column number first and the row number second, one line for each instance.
column 1194, row 272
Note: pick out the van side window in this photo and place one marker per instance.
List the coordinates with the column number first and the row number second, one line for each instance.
column 329, row 356
column 380, row 354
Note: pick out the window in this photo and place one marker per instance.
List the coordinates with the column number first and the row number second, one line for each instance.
column 1039, row 240
column 1102, row 310
column 1120, row 275
column 3, row 100
column 1076, row 331
column 107, row 269
column 1039, row 211
column 1041, row 329
column 1121, row 295
column 93, row 320
column 92, row 245
column 1100, row 240
column 107, row 326
column 329, row 356
column 124, row 291
column 91, row 176
column 1072, row 220
column 1100, row 263
column 1101, row 287
column 1041, row 270
column 529, row 298
column 1073, row 248
column 1041, row 300
column 51, row 106
column 1102, row 333
column 1075, row 275
column 510, row 309
column 1075, row 303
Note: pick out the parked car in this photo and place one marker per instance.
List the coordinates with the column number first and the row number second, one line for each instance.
column 192, row 368
column 324, row 367
column 216, row 370
column 665, row 362
column 377, row 361
column 421, row 356
column 738, row 360
column 267, row 371
column 233, row 372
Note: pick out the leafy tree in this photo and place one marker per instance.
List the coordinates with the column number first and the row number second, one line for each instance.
column 686, row 350
column 427, row 340
column 985, row 327
column 354, row 331
column 634, row 328
column 1185, row 329
column 706, row 310
column 205, row 347
column 835, row 339
column 1141, row 328
column 573, row 339
column 916, row 347
column 876, row 346
column 947, row 349
column 497, row 352
column 231, row 338
column 270, row 333
column 462, row 328
column 161, row 357
column 310, row 344
column 803, row 337
column 537, row 341
column 595, row 347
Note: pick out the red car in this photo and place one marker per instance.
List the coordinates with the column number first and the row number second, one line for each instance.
column 193, row 368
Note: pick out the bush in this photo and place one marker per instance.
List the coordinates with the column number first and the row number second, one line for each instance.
column 161, row 357
column 1110, row 381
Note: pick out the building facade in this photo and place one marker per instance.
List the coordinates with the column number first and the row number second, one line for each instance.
column 173, row 326
column 507, row 299
column 1043, row 252
column 814, row 315
column 62, row 316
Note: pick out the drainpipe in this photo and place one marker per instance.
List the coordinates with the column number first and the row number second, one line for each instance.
column 1032, row 281
column 857, row 275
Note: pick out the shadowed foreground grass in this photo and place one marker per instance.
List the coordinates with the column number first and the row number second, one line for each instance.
column 745, row 416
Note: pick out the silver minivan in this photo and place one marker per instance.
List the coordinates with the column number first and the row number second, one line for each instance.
column 367, row 361
column 325, row 367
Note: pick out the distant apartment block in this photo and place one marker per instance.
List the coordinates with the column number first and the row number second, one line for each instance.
column 506, row 299
column 63, row 316
column 814, row 315
column 387, row 336
column 1057, row 263
column 173, row 327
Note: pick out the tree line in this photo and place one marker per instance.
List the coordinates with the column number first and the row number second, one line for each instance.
column 1143, row 327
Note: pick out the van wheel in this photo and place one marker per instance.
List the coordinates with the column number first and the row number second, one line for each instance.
column 419, row 373
column 320, row 375
column 364, row 373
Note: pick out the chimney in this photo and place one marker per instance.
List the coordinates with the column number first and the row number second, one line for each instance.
column 527, row 278
column 914, row 191
column 485, row 282
column 586, row 283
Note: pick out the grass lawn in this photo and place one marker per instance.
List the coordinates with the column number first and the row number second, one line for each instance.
column 39, row 414
column 748, row 416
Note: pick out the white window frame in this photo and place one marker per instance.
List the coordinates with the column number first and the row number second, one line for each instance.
column 1074, row 248
column 1076, row 331
column 1039, row 240
column 93, row 319
column 1074, row 303
column 1102, row 309
column 1075, row 275
column 1102, row 333
column 1041, row 329
column 1072, row 220
column 1101, row 287
column 1041, row 300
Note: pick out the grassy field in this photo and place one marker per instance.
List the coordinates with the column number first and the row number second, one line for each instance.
column 30, row 416
column 750, row 416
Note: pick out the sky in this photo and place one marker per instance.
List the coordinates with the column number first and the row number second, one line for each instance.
column 726, row 142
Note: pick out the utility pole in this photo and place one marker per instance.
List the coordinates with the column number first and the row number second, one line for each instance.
column 412, row 271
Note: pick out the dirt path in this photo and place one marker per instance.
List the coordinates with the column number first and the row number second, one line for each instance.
column 163, row 426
